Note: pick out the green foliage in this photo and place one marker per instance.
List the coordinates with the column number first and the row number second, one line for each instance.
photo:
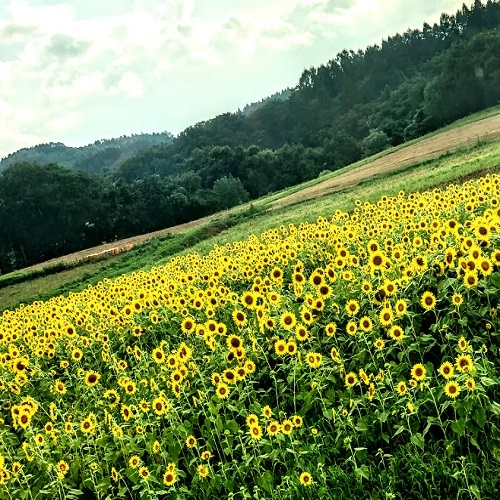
column 375, row 142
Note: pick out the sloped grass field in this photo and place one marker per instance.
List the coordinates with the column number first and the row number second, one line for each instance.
column 353, row 357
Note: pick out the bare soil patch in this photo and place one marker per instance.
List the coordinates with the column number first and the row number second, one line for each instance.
column 465, row 135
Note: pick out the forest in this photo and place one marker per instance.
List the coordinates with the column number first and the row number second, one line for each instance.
column 55, row 200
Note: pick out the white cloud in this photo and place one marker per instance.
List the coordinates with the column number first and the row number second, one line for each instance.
column 131, row 85
column 68, row 67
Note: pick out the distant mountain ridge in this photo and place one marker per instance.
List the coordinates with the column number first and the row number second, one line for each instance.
column 97, row 158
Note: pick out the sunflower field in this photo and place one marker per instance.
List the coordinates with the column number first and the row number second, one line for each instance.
column 264, row 368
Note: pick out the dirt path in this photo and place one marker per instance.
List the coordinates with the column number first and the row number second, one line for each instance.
column 466, row 135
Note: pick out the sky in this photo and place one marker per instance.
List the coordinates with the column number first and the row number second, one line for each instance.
column 76, row 71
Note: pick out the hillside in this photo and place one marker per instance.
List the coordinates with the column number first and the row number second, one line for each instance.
column 351, row 356
column 430, row 147
column 353, row 106
column 97, row 158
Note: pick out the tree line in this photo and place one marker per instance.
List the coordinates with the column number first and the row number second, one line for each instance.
column 355, row 105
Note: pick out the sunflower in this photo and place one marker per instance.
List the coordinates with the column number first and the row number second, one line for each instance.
column 396, row 332
column 457, row 299
column 305, row 479
column 495, row 257
column 379, row 344
column 255, row 432
column 287, row 427
column 371, row 391
column 452, row 389
column 115, row 475
column 298, row 279
column 267, row 411
column 76, row 354
column 270, row 324
column 239, row 318
column 92, row 378
column 428, row 301
column 277, row 275
column 301, row 332
column 134, row 462
column 24, row 420
column 350, row 379
column 59, row 387
column 330, row 329
column 16, row 468
column 297, row 421
column 291, row 347
column 402, row 388
column 126, row 412
column 314, row 359
column 273, row 428
column 188, row 325
column 169, row 478
column 176, row 376
column 464, row 363
column 351, row 328
column 485, row 266
column 418, row 371
column 159, row 406
column 158, row 355
column 190, row 441
column 316, row 279
column 222, row 390
column 324, row 291
column 390, row 287
column 400, row 307
column 87, row 426
column 249, row 366
column 248, row 299
column 234, row 342
column 229, row 376
column 462, row 344
column 280, row 347
column 130, row 387
column 252, row 420
column 307, row 316
column 363, row 376
column 19, row 365
column 366, row 286
column 206, row 455
column 288, row 320
column 376, row 261
column 62, row 468
column 202, row 470
column 470, row 279
column 366, row 324
column 446, row 370
column 386, row 316
column 144, row 472
column 470, row 383
column 352, row 307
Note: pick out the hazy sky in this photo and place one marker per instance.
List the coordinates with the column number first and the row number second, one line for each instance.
column 79, row 70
